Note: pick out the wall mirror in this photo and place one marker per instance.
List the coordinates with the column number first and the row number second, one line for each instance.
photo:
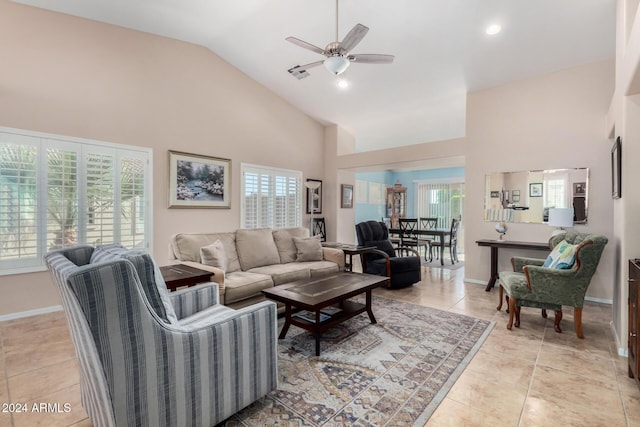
column 527, row 196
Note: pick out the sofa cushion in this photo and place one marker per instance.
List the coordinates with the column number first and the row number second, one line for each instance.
column 149, row 274
column 283, row 238
column 241, row 285
column 319, row 268
column 308, row 248
column 186, row 247
column 284, row 273
column 256, row 248
column 214, row 255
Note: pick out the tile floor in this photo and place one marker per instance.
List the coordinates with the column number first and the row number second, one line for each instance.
column 530, row 376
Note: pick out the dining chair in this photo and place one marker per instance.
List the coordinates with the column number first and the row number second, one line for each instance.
column 409, row 236
column 431, row 241
column 320, row 229
column 452, row 241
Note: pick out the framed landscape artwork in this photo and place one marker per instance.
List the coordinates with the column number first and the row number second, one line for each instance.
column 197, row 181
column 347, row 196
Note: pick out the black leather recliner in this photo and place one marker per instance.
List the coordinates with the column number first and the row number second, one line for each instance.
column 402, row 271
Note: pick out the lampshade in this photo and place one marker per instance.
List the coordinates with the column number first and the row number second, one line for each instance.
column 560, row 217
column 336, row 64
column 312, row 184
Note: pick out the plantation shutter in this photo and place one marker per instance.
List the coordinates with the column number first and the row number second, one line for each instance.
column 56, row 193
column 272, row 197
column 18, row 201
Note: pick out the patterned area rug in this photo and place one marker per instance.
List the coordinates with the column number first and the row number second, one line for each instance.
column 395, row 372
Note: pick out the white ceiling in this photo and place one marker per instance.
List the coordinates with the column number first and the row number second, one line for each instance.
column 441, row 51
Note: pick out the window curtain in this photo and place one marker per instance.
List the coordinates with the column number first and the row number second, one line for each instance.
column 440, row 200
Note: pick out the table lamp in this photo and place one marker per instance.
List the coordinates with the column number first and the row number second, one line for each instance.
column 560, row 218
column 313, row 186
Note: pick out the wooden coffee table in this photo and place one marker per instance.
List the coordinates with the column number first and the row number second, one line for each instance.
column 317, row 294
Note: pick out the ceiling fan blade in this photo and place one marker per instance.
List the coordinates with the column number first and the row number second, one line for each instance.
column 371, row 58
column 354, row 37
column 305, row 45
column 300, row 71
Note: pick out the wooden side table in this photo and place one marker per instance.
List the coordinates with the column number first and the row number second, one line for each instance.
column 349, row 252
column 179, row 275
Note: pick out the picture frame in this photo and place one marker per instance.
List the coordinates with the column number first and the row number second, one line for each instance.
column 535, row 189
column 314, row 198
column 199, row 181
column 515, row 196
column 616, row 173
column 495, row 194
column 579, row 188
column 346, row 201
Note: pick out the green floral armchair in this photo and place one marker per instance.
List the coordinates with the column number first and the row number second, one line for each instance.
column 532, row 285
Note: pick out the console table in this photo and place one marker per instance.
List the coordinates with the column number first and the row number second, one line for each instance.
column 496, row 244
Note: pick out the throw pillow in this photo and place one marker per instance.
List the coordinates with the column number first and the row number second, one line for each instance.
column 562, row 257
column 214, row 255
column 308, row 248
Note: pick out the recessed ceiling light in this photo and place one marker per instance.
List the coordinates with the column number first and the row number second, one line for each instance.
column 493, row 29
column 343, row 83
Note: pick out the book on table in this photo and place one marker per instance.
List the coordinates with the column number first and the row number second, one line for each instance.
column 310, row 316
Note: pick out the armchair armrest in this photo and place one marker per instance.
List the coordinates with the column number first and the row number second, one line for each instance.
column 518, row 263
column 334, row 255
column 404, row 251
column 563, row 285
column 192, row 300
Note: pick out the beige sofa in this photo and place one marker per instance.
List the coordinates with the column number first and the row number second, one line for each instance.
column 256, row 259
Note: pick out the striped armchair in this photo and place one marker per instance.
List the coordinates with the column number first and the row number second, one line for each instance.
column 152, row 358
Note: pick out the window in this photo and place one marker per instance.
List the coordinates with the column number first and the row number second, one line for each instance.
column 58, row 192
column 271, row 197
column 555, row 191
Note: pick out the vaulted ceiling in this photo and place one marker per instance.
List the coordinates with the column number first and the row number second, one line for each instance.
column 441, row 51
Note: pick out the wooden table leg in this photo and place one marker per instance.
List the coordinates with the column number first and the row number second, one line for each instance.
column 317, row 333
column 494, row 268
column 287, row 321
column 372, row 318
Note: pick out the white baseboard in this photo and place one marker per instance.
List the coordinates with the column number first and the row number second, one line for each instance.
column 622, row 351
column 476, row 281
column 29, row 313
column 592, row 299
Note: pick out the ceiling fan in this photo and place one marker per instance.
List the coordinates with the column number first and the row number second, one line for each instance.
column 337, row 53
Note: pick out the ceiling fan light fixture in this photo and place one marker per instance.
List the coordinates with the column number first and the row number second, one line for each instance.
column 493, row 29
column 343, row 83
column 336, row 64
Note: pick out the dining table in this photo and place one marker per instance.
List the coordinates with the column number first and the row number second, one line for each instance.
column 435, row 232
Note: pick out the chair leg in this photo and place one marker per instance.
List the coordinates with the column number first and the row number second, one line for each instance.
column 517, row 315
column 577, row 320
column 512, row 310
column 500, row 293
column 556, row 323
column 544, row 313
column 453, row 261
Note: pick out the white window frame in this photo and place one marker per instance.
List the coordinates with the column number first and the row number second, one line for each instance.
column 273, row 172
column 82, row 146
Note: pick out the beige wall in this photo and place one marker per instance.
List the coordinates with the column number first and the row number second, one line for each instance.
column 552, row 121
column 549, row 122
column 76, row 77
column 624, row 121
